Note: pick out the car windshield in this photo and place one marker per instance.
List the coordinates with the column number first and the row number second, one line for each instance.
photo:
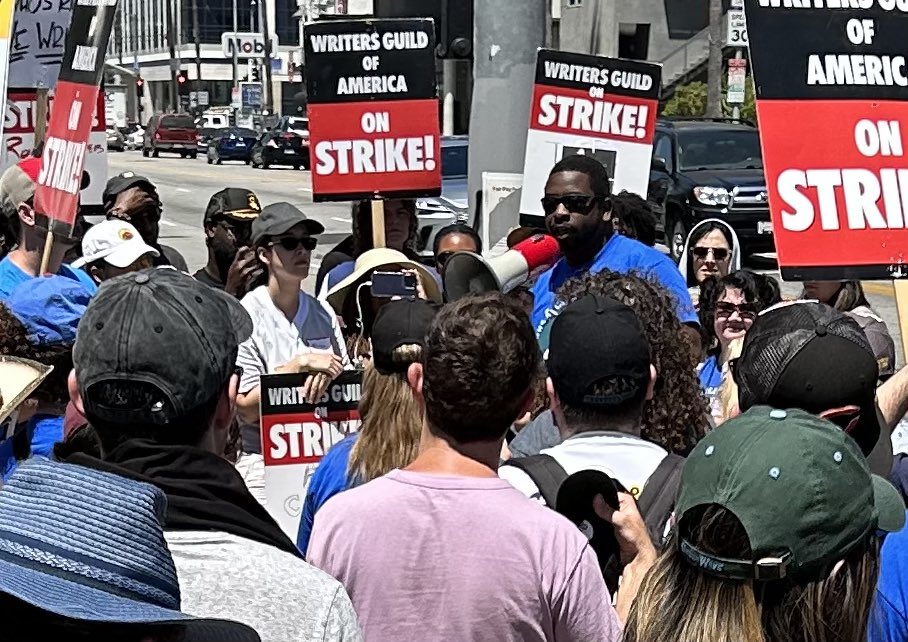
column 178, row 122
column 453, row 160
column 719, row 149
column 244, row 133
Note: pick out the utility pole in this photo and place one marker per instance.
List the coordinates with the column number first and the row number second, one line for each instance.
column 714, row 69
column 198, row 52
column 174, row 63
column 236, row 27
column 266, row 34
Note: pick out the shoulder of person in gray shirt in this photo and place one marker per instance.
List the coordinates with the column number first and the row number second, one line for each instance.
column 539, row 434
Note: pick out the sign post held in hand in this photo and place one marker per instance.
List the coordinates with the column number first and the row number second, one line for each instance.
column 601, row 107
column 373, row 112
column 833, row 111
column 296, row 435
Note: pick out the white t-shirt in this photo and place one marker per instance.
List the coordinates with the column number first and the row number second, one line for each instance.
column 628, row 459
column 275, row 340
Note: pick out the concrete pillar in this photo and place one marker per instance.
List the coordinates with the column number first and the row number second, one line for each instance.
column 589, row 26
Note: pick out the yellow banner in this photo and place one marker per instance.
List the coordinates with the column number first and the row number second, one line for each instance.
column 6, row 17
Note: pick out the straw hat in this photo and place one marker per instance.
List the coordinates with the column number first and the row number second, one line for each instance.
column 381, row 257
column 18, row 380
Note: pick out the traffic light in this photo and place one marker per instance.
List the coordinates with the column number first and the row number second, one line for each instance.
column 453, row 22
column 182, row 83
column 256, row 74
column 140, row 84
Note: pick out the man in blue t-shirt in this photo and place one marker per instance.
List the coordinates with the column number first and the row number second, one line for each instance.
column 578, row 214
column 17, row 191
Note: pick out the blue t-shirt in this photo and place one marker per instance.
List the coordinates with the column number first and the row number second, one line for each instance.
column 43, row 432
column 710, row 376
column 620, row 254
column 12, row 275
column 889, row 615
column 330, row 478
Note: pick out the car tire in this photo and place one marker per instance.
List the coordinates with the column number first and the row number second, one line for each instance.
column 248, row 161
column 155, row 153
column 193, row 155
column 209, row 160
column 218, row 161
column 145, row 152
column 265, row 164
column 676, row 237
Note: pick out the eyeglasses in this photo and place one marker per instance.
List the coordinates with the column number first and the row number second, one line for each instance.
column 719, row 253
column 236, row 231
column 442, row 259
column 744, row 310
column 291, row 243
column 579, row 203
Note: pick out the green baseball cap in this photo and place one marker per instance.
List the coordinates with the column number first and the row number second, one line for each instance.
column 798, row 484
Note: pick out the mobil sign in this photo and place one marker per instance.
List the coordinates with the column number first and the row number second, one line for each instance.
column 246, row 45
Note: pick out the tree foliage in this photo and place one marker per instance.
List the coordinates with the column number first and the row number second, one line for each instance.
column 690, row 100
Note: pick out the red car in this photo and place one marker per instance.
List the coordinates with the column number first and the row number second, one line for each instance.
column 174, row 133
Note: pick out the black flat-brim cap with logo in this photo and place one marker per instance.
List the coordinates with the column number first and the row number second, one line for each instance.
column 163, row 328
column 280, row 218
column 241, row 205
column 808, row 355
column 122, row 182
column 399, row 323
column 592, row 339
column 800, row 487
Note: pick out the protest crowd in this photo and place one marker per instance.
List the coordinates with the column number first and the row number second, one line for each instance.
column 619, row 449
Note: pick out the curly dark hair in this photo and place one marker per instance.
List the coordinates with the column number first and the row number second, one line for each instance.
column 14, row 342
column 637, row 216
column 758, row 289
column 676, row 417
column 479, row 363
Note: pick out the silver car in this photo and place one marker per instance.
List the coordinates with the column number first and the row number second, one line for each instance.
column 453, row 204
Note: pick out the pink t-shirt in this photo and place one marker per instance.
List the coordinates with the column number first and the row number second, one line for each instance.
column 438, row 558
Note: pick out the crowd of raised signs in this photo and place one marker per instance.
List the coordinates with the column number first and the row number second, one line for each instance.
column 621, row 448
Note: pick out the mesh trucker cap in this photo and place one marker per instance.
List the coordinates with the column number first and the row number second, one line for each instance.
column 163, row 328
column 800, row 487
column 807, row 355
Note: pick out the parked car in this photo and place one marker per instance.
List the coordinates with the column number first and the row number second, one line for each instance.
column 203, row 138
column 175, row 133
column 282, row 146
column 452, row 206
column 709, row 168
column 115, row 140
column 134, row 135
column 234, row 143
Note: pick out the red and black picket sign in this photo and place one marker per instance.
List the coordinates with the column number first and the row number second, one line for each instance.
column 75, row 97
column 296, row 432
column 831, row 86
column 373, row 109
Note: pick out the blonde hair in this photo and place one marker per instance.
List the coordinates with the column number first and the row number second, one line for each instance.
column 392, row 420
column 725, row 405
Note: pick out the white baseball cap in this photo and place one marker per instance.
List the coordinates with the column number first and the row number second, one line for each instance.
column 115, row 241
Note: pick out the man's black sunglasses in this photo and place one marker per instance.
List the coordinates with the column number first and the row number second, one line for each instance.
column 578, row 203
column 290, row 243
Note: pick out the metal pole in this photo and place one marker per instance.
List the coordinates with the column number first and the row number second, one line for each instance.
column 171, row 46
column 198, row 51
column 236, row 28
column 714, row 67
column 736, row 110
column 266, row 34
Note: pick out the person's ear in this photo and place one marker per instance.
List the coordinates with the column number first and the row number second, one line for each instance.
column 95, row 273
column 226, row 410
column 26, row 214
column 72, row 385
column 263, row 255
column 210, row 230
column 651, row 386
column 554, row 402
column 415, row 379
column 606, row 209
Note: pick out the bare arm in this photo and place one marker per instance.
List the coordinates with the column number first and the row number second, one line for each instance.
column 892, row 398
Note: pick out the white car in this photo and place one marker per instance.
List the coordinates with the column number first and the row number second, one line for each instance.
column 134, row 135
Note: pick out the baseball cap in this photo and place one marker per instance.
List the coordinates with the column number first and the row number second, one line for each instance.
column 233, row 202
column 575, row 502
column 50, row 308
column 807, row 355
column 91, row 548
column 122, row 182
column 880, row 340
column 115, row 241
column 399, row 323
column 135, row 326
column 800, row 487
column 278, row 218
column 592, row 339
column 18, row 183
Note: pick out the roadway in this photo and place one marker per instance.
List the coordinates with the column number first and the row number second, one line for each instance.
column 185, row 185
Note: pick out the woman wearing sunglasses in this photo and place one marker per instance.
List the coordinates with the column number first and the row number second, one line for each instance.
column 711, row 250
column 292, row 331
column 454, row 238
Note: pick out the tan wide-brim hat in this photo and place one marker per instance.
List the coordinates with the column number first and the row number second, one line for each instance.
column 18, row 380
column 381, row 257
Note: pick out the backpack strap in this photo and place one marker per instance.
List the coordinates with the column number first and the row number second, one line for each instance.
column 546, row 473
column 657, row 500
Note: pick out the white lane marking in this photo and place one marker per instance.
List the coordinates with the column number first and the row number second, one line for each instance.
column 304, row 189
column 183, row 189
column 168, row 223
column 341, row 219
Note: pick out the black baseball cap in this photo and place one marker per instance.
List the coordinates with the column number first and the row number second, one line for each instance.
column 592, row 339
column 575, row 501
column 233, row 202
column 279, row 218
column 122, row 182
column 807, row 355
column 164, row 328
column 399, row 323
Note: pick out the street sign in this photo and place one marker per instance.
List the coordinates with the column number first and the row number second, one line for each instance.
column 252, row 95
column 236, row 97
column 736, row 31
column 247, row 45
column 200, row 98
column 737, row 79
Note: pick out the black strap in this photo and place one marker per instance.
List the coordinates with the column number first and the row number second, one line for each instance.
column 22, row 444
column 546, row 473
column 657, row 500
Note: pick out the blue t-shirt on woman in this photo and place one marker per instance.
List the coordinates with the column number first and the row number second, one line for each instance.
column 330, row 478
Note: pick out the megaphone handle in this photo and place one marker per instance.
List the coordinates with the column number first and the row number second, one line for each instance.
column 378, row 223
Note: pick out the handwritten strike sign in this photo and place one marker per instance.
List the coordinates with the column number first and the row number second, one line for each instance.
column 296, row 435
column 373, row 109
column 38, row 42
column 832, row 86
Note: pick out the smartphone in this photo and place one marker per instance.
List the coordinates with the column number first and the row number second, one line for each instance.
column 386, row 285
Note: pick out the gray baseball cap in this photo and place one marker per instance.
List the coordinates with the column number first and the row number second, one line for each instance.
column 279, row 218
column 163, row 328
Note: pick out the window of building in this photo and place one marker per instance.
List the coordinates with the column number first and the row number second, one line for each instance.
column 633, row 41
column 286, row 26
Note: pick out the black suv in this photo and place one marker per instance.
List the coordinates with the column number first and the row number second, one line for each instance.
column 706, row 168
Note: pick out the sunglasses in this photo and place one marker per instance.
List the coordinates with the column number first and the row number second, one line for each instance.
column 442, row 259
column 236, row 231
column 577, row 203
column 719, row 253
column 291, row 243
column 744, row 310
